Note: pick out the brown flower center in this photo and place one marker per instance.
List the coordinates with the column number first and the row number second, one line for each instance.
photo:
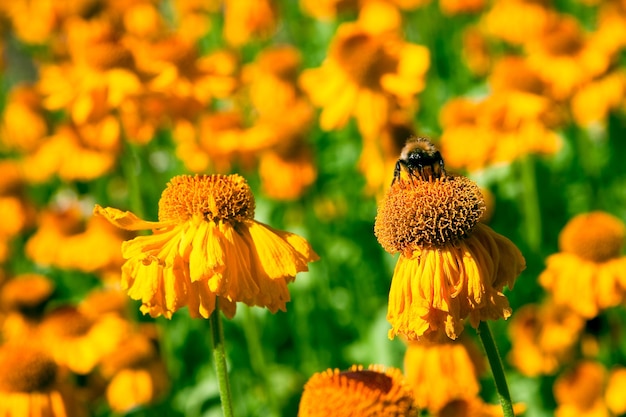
column 66, row 322
column 24, row 369
column 428, row 213
column 226, row 198
column 595, row 236
column 375, row 381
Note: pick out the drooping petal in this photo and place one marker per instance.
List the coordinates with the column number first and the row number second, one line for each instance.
column 127, row 220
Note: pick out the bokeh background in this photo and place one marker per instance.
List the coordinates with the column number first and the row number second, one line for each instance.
column 103, row 101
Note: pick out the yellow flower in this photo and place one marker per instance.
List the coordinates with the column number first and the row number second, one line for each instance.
column 580, row 391
column 588, row 274
column 23, row 122
column 372, row 392
column 442, row 371
column 369, row 71
column 29, row 385
column 23, row 299
column 518, row 21
column 451, row 266
column 207, row 244
column 593, row 102
column 453, row 7
column 66, row 240
column 245, row 20
column 543, row 338
column 78, row 342
column 501, row 128
column 136, row 374
column 287, row 172
column 475, row 407
column 615, row 388
column 566, row 58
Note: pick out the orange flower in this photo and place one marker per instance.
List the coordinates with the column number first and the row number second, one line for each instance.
column 587, row 275
column 594, row 101
column 372, row 392
column 29, row 385
column 451, row 266
column 579, row 391
column 136, row 374
column 518, row 21
column 245, row 20
column 24, row 124
column 543, row 338
column 66, row 240
column 442, row 371
column 615, row 388
column 287, row 172
column 78, row 342
column 369, row 71
column 475, row 407
column 205, row 245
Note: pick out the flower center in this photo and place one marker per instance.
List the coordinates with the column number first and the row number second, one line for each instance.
column 226, row 198
column 25, row 369
column 428, row 213
column 595, row 236
column 66, row 322
column 375, row 381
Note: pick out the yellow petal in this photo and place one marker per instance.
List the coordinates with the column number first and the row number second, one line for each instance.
column 127, row 220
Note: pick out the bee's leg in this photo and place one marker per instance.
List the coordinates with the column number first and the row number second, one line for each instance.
column 396, row 172
column 441, row 167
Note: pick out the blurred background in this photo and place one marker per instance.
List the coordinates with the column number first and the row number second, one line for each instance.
column 103, row 101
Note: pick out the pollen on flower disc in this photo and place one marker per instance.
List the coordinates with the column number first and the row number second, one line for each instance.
column 428, row 213
column 595, row 236
column 213, row 197
column 24, row 369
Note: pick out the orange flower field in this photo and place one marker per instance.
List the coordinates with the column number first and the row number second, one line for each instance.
column 313, row 208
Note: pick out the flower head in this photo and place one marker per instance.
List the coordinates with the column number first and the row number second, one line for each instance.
column 205, row 245
column 372, row 392
column 451, row 266
column 443, row 371
column 587, row 275
column 29, row 384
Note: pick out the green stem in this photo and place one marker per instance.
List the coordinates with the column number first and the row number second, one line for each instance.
column 130, row 168
column 219, row 357
column 496, row 368
column 532, row 211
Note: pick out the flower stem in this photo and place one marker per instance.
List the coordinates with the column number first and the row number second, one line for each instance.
column 532, row 211
column 484, row 332
column 219, row 357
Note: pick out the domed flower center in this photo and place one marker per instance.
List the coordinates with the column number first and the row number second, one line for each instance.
column 373, row 380
column 417, row 213
column 25, row 369
column 214, row 198
column 596, row 236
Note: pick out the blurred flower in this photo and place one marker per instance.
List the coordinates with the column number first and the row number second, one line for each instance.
column 593, row 102
column 245, row 20
column 453, row 7
column 67, row 240
column 16, row 210
column 565, row 57
column 78, row 342
column 207, row 244
column 475, row 407
column 588, row 274
column 497, row 129
column 518, row 21
column 136, row 374
column 23, row 299
column 372, row 392
column 330, row 9
column 615, row 388
column 476, row 53
column 30, row 386
column 287, row 171
column 543, row 338
column 24, row 124
column 451, row 266
column 369, row 71
column 579, row 391
column 442, row 371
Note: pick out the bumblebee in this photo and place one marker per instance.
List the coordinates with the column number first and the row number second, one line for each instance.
column 421, row 159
